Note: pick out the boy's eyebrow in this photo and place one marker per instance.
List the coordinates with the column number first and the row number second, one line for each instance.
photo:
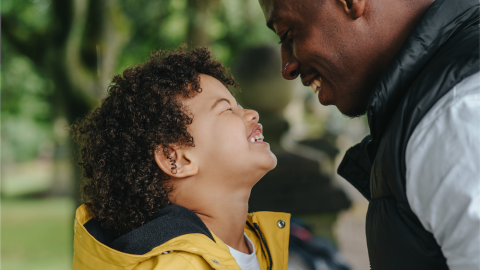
column 218, row 101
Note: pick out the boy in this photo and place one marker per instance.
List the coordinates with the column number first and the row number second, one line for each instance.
column 169, row 160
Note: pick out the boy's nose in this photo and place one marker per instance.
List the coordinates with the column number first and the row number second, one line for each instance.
column 251, row 116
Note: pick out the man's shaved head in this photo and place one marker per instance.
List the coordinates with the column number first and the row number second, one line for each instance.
column 342, row 45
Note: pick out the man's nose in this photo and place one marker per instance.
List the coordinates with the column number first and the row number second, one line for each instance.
column 290, row 67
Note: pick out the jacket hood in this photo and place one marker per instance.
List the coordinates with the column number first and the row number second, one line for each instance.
column 166, row 224
column 184, row 231
column 438, row 25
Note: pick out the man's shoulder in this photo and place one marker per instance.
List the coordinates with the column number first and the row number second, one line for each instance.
column 443, row 152
column 458, row 105
column 442, row 172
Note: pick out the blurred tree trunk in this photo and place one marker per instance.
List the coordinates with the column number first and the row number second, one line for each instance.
column 78, row 53
column 199, row 13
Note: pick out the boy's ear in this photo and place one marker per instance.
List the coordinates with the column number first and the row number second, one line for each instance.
column 178, row 164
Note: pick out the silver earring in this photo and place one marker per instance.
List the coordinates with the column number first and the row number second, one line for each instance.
column 174, row 167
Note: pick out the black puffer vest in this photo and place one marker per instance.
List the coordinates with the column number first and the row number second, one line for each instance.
column 441, row 51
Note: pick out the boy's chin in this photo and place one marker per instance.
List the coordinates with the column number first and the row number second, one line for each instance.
column 270, row 163
column 274, row 162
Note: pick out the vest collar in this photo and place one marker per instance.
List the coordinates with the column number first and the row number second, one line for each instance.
column 442, row 19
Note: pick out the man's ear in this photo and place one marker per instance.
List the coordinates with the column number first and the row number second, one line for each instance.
column 353, row 8
column 177, row 163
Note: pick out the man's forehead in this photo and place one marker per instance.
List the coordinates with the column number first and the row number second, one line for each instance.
column 273, row 10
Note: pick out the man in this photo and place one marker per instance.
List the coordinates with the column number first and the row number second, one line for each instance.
column 413, row 67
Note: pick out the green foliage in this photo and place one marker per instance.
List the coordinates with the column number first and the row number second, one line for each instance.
column 32, row 94
column 230, row 27
column 26, row 112
column 31, row 15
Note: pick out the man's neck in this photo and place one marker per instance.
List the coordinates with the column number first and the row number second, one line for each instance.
column 401, row 18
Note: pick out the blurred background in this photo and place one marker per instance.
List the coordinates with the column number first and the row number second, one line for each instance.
column 57, row 59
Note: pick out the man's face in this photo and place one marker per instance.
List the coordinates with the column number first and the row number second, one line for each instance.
column 228, row 138
column 323, row 45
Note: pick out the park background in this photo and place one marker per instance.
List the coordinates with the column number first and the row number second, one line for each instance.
column 57, row 59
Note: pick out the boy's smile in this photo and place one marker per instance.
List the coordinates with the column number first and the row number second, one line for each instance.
column 256, row 134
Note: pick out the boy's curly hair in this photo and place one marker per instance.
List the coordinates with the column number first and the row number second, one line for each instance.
column 123, row 186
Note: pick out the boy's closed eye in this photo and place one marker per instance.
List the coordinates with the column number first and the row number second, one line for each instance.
column 225, row 108
column 226, row 105
column 229, row 108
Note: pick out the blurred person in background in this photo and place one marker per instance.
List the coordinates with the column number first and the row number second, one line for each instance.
column 413, row 67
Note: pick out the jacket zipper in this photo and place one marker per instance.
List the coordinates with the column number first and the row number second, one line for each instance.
column 267, row 250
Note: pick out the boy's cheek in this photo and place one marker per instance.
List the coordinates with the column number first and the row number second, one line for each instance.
column 231, row 135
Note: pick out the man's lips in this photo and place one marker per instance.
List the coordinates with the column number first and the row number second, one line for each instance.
column 316, row 85
column 308, row 79
column 314, row 81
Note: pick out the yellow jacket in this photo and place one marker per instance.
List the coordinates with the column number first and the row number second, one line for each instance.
column 188, row 251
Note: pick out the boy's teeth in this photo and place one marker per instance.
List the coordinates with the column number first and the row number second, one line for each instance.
column 257, row 138
column 316, row 85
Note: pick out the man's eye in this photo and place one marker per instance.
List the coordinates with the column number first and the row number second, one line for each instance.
column 284, row 37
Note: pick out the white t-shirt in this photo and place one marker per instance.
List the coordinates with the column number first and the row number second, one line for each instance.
column 246, row 261
column 443, row 173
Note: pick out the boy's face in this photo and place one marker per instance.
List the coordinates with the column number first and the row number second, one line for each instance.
column 228, row 139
